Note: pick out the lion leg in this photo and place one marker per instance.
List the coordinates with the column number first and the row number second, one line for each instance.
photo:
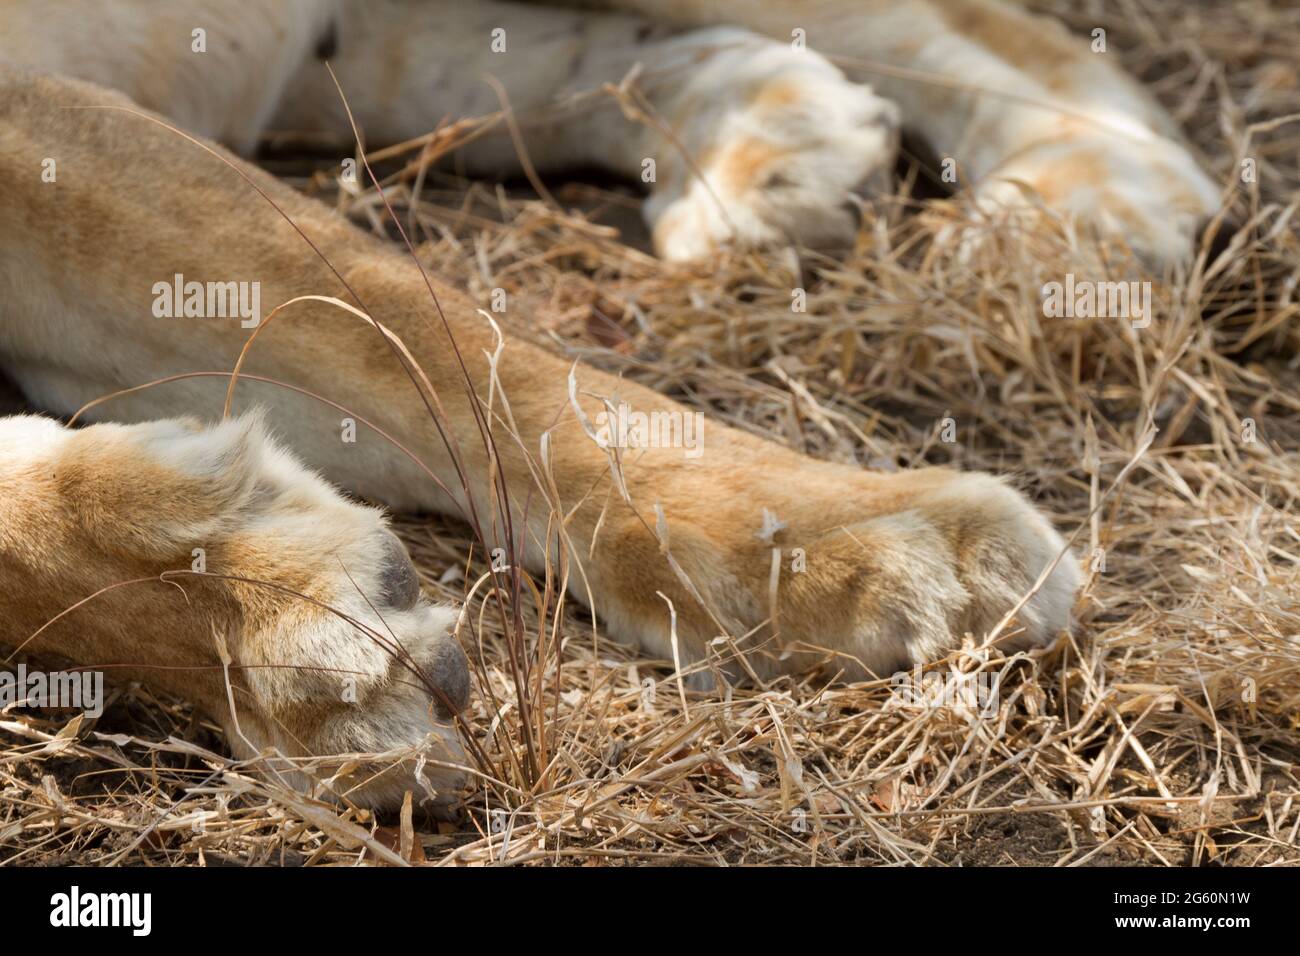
column 739, row 139
column 217, row 69
column 1007, row 97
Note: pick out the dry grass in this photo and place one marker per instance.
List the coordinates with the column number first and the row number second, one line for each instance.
column 1166, row 731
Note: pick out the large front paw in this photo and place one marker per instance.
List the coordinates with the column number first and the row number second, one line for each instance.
column 355, row 662
column 1147, row 193
column 776, row 142
column 813, row 565
column 294, row 612
column 953, row 556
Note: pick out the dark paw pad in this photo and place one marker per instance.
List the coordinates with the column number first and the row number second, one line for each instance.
column 399, row 584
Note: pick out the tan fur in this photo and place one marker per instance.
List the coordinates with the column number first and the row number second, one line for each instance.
column 898, row 567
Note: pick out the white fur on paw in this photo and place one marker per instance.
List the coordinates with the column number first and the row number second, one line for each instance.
column 356, row 661
column 780, row 141
column 1149, row 194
